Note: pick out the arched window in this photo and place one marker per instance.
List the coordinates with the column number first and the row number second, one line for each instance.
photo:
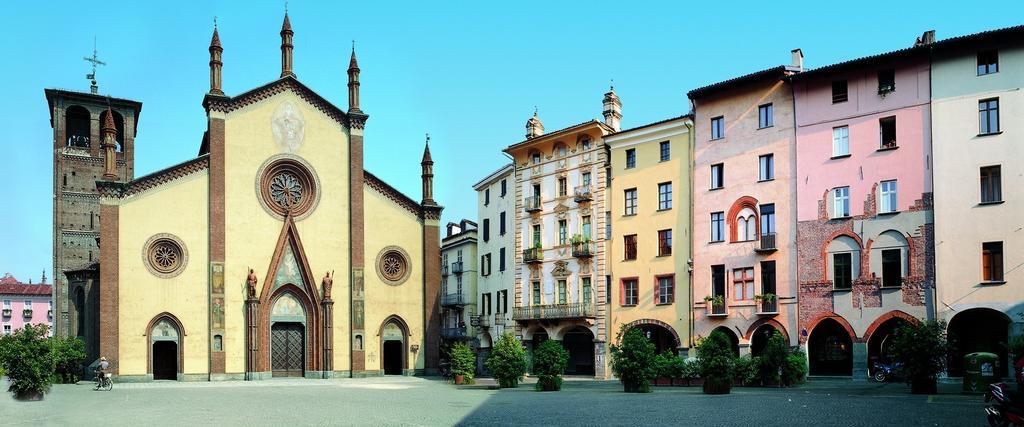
column 76, row 127
column 843, row 262
column 890, row 258
column 746, row 225
column 561, row 150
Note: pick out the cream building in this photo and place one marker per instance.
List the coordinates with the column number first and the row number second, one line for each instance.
column 978, row 109
column 495, row 277
column 459, row 270
column 560, row 263
column 649, row 245
column 257, row 259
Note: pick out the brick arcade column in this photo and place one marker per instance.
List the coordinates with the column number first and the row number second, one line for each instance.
column 328, row 337
column 252, row 339
column 860, row 361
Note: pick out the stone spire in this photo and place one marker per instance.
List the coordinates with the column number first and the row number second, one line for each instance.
column 612, row 109
column 428, row 175
column 353, row 82
column 286, row 47
column 534, row 127
column 108, row 143
column 43, row 281
column 215, row 62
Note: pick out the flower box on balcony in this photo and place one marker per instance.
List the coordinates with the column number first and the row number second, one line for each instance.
column 27, row 312
column 532, row 204
column 533, row 255
column 7, row 312
column 582, row 194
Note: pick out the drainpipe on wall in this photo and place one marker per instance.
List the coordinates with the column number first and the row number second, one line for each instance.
column 689, row 264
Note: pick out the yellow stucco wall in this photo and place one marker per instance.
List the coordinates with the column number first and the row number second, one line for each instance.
column 178, row 208
column 387, row 224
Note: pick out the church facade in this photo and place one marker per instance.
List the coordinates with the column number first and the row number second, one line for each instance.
column 272, row 253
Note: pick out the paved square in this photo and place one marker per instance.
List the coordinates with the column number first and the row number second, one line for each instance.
column 419, row 401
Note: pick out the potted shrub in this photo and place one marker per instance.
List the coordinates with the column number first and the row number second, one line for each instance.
column 716, row 362
column 549, row 362
column 794, row 371
column 773, row 360
column 746, row 370
column 507, row 361
column 633, row 360
column 922, row 348
column 713, row 301
column 463, row 363
column 690, row 370
column 26, row 358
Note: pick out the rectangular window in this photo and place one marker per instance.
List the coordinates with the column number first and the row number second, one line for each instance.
column 665, row 290
column 840, row 141
column 887, row 197
column 608, row 225
column 664, row 196
column 886, row 81
column 988, row 116
column 743, row 284
column 992, row 261
column 501, row 259
column 487, row 304
column 501, row 223
column 561, row 292
column 666, row 150
column 717, row 226
column 630, row 158
column 536, row 191
column 839, row 91
column 764, row 116
column 563, row 187
column 485, row 265
column 630, row 291
column 588, row 291
column 887, row 132
column 586, row 179
column 504, row 301
column 664, row 242
column 991, row 184
column 717, row 175
column 718, row 281
column 629, row 246
column 7, row 304
column 563, row 232
column 487, row 196
column 988, row 62
column 766, row 165
column 536, row 235
column 767, row 277
column 28, row 304
column 487, row 229
column 841, row 202
column 717, row 128
column 630, row 208
column 892, row 268
column 7, row 329
column 536, row 293
column 768, row 218
column 504, row 187
column 586, row 227
column 842, row 271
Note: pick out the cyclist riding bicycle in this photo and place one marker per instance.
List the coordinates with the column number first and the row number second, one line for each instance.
column 101, row 370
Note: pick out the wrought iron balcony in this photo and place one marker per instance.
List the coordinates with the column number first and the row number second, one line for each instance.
column 554, row 311
column 716, row 308
column 7, row 312
column 453, row 300
column 582, row 194
column 533, row 255
column 766, row 243
column 457, row 267
column 458, row 332
column 444, row 270
column 532, row 203
column 583, row 249
column 27, row 312
column 768, row 306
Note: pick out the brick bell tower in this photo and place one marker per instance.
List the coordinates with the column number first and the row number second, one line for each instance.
column 93, row 140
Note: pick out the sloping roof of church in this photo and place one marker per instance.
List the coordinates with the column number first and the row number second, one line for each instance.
column 390, row 192
column 155, row 179
column 228, row 104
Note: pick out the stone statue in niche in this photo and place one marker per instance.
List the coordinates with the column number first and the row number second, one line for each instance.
column 251, row 284
column 288, row 126
column 326, row 283
column 218, row 313
column 358, row 343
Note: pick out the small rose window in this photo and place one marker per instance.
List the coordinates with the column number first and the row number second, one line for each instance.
column 393, row 265
column 164, row 255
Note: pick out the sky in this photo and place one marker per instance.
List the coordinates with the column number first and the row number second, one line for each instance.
column 468, row 73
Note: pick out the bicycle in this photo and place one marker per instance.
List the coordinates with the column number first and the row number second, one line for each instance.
column 103, row 382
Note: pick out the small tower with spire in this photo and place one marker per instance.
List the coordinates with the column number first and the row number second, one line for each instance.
column 286, row 46
column 612, row 109
column 353, row 82
column 428, row 175
column 108, row 144
column 215, row 62
column 534, row 127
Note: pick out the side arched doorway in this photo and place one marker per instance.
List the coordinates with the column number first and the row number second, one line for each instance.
column 830, row 349
column 734, row 341
column 660, row 335
column 978, row 329
column 880, row 339
column 287, row 337
column 165, row 347
column 759, row 339
column 579, row 342
column 393, row 338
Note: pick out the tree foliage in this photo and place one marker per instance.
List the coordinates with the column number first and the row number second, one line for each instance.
column 633, row 360
column 68, row 355
column 922, row 348
column 26, row 356
column 549, row 362
column 507, row 361
column 716, row 362
column 463, row 361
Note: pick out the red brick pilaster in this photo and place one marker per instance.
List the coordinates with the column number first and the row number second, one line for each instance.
column 357, row 248
column 217, row 304
column 109, row 269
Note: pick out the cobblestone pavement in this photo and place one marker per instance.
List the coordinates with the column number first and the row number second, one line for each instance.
column 419, row 401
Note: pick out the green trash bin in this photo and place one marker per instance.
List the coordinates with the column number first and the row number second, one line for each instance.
column 980, row 371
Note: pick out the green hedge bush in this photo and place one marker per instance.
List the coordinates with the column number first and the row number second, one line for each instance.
column 507, row 361
column 634, row 360
column 463, row 361
column 549, row 362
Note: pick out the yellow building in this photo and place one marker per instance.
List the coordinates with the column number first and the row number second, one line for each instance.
column 272, row 253
column 649, row 243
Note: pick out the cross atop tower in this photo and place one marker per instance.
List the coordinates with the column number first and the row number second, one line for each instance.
column 94, row 60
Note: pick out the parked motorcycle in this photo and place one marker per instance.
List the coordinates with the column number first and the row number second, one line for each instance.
column 1007, row 407
column 884, row 372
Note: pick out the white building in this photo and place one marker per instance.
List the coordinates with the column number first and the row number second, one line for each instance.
column 458, row 281
column 495, row 277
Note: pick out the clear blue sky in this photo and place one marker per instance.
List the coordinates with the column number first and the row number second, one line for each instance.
column 469, row 73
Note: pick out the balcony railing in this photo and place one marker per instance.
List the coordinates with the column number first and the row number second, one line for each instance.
column 499, row 319
column 768, row 306
column 716, row 308
column 27, row 312
column 532, row 203
column 7, row 312
column 484, row 321
column 554, row 311
column 444, row 270
column 454, row 333
column 453, row 300
column 582, row 194
column 533, row 255
column 583, row 249
column 767, row 243
column 457, row 267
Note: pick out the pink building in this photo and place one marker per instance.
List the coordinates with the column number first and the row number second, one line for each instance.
column 864, row 210
column 24, row 303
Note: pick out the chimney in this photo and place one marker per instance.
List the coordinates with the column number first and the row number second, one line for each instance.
column 798, row 59
column 928, row 37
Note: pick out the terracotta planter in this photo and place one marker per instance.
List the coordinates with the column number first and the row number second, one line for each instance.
column 460, row 379
column 717, row 386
